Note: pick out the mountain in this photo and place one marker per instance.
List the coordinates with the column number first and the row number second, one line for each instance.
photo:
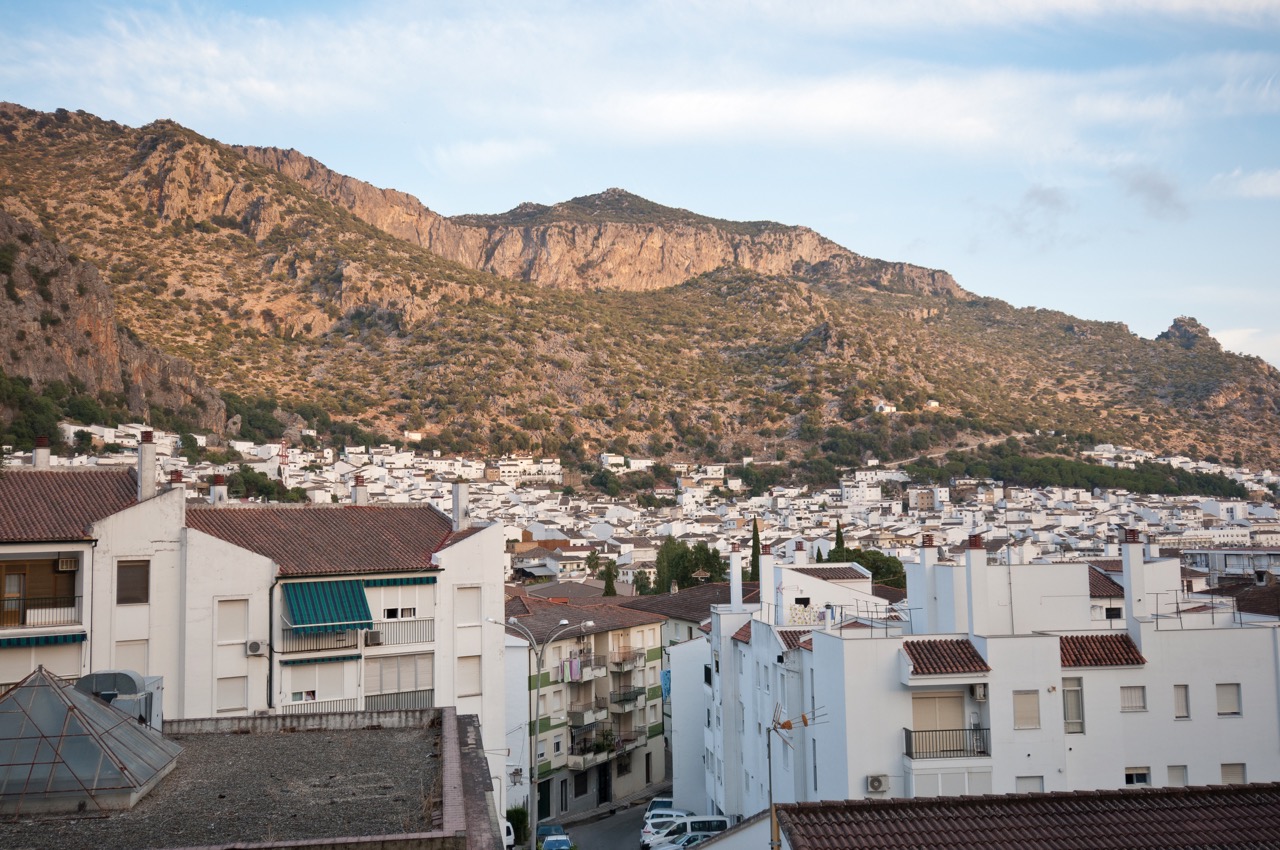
column 603, row 322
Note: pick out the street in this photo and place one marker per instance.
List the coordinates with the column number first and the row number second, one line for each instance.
column 615, row 832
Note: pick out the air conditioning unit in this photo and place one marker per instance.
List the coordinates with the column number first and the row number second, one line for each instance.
column 979, row 691
column 373, row 638
column 68, row 565
column 877, row 782
column 256, row 647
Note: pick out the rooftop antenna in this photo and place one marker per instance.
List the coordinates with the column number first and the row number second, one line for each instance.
column 779, row 727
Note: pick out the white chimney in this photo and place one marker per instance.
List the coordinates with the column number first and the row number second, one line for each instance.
column 735, row 577
column 40, row 456
column 461, row 508
column 975, row 563
column 767, row 570
column 218, row 490
column 360, row 491
column 175, row 480
column 802, row 556
column 1136, row 608
column 146, row 467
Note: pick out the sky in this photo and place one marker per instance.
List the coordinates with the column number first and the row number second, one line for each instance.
column 1118, row 160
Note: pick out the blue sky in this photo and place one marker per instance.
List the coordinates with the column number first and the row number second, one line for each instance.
column 1116, row 160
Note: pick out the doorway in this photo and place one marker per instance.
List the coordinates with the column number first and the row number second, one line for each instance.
column 604, row 785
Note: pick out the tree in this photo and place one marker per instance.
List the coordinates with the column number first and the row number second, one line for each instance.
column 754, row 575
column 839, row 536
column 610, row 571
column 642, row 583
column 593, row 564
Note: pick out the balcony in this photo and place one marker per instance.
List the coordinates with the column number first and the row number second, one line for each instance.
column 401, row 700
column 34, row 612
column 587, row 667
column 948, row 743
column 626, row 700
column 628, row 741
column 396, row 632
column 307, row 640
column 591, row 711
column 625, row 659
column 321, row 706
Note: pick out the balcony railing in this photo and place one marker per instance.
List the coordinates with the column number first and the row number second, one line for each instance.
column 626, row 699
column 39, row 611
column 321, row 706
column 588, row 667
column 396, row 632
column 401, row 700
column 948, row 743
column 297, row 640
column 624, row 659
column 591, row 711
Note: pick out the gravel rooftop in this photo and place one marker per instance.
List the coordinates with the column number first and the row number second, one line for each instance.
column 263, row 787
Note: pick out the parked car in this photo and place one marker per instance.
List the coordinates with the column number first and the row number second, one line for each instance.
column 508, row 834
column 659, row 803
column 689, row 839
column 551, row 830
column 657, row 821
column 557, row 842
column 684, row 825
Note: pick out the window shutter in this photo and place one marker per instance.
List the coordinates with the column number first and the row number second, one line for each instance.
column 1228, row 699
column 1133, row 698
column 1026, row 709
column 1181, row 701
column 373, row 675
column 1233, row 774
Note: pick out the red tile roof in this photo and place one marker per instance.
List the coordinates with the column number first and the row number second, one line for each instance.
column 1111, row 565
column 840, row 573
column 60, row 504
column 792, row 638
column 542, row 617
column 1231, row 817
column 743, row 634
column 942, row 657
column 1109, row 650
column 1103, row 586
column 331, row 539
column 889, row 594
column 693, row 604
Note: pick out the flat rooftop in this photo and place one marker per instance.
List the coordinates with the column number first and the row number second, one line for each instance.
column 261, row 784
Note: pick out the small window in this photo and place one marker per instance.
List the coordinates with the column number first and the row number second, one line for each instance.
column 1137, row 776
column 1229, row 700
column 1115, row 613
column 408, row 613
column 1133, row 698
column 1233, row 774
column 1026, row 709
column 303, row 696
column 802, row 601
column 1181, row 702
column 557, row 745
column 233, row 693
column 133, row 582
column 391, row 614
column 581, row 783
column 1073, row 705
column 1028, row 784
column 1177, row 775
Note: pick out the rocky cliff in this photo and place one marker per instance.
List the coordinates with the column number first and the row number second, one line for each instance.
column 59, row 323
column 613, row 240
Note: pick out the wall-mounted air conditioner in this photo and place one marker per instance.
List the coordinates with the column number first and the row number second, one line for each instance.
column 979, row 691
column 68, row 565
column 256, row 647
column 373, row 638
column 877, row 782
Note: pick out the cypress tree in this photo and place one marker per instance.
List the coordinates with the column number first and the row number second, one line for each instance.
column 755, row 550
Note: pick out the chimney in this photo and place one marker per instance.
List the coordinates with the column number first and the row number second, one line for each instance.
column 801, row 557
column 359, row 491
column 1136, row 607
column 175, row 480
column 928, row 552
column 218, row 490
column 40, row 456
column 767, row 580
column 146, row 467
column 979, row 597
column 461, row 509
column 735, row 577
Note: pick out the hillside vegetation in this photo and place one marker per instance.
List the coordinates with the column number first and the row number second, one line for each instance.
column 279, row 293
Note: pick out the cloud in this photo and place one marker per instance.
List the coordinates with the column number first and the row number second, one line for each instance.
column 1256, row 341
column 486, row 156
column 1248, row 184
column 1159, row 195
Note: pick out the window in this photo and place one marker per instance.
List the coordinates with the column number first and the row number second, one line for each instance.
column 1137, row 776
column 132, row 655
column 1073, row 705
column 1026, row 709
column 802, row 601
column 1133, row 698
column 393, row 674
column 1181, row 702
column 1115, row 613
column 469, row 676
column 1233, row 774
column 233, row 693
column 399, row 613
column 1028, row 784
column 1177, row 775
column 233, row 620
column 1229, row 700
column 581, row 783
column 468, row 609
column 557, row 744
column 303, row 696
column 624, row 764
column 133, row 582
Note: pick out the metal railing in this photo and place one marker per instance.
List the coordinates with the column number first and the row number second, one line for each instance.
column 321, row 706
column 39, row 611
column 626, row 695
column 626, row 658
column 948, row 743
column 395, row 632
column 298, row 640
column 581, row 713
column 588, row 665
column 400, row 701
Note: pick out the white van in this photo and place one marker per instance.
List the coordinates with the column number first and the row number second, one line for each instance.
column 657, row 821
column 685, row 825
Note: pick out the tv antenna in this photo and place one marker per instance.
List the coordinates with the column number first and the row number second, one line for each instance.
column 781, row 727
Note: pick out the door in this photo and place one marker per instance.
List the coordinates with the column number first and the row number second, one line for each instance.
column 11, row 604
column 604, row 785
column 648, row 769
column 544, row 799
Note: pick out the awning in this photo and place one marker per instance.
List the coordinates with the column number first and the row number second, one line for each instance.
column 327, row 606
column 328, row 659
column 399, row 581
column 42, row 640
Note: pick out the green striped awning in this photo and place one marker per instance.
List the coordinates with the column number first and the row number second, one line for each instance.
column 327, row 606
column 42, row 640
column 329, row 659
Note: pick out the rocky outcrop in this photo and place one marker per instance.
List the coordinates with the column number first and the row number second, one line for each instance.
column 1186, row 332
column 59, row 323
column 614, row 240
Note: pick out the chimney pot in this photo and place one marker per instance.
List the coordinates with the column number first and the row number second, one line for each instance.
column 926, row 540
column 975, row 541
column 1131, row 535
column 175, row 476
column 148, row 436
column 42, row 442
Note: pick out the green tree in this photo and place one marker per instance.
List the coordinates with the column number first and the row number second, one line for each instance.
column 642, row 583
column 593, row 563
column 839, row 536
column 610, row 571
column 754, row 575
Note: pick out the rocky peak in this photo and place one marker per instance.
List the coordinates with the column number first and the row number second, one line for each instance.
column 1186, row 332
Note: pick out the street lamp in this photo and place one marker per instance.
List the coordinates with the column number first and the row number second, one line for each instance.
column 539, row 653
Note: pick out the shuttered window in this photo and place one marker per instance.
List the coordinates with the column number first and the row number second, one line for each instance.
column 398, row 673
column 1133, row 698
column 1233, row 774
column 469, row 676
column 1026, row 709
column 1073, row 705
column 1181, row 701
column 1229, row 700
column 133, row 582
column 1177, row 775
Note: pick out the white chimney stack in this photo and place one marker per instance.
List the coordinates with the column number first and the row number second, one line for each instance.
column 218, row 490
column 735, row 577
column 461, row 508
column 146, row 467
column 40, row 455
column 175, row 480
column 802, row 555
column 1133, row 558
column 975, row 563
column 360, row 491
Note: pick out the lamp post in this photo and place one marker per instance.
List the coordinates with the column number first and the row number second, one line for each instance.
column 540, row 651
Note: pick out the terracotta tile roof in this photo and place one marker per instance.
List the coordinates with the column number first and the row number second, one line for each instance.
column 60, row 504
column 1260, row 600
column 807, row 643
column 332, row 539
column 743, row 634
column 835, row 573
column 1225, row 817
column 1109, row 650
column 942, row 657
column 791, row 638
column 889, row 594
column 542, row 617
column 1103, row 586
column 692, row 604
column 705, row 628
column 1111, row 565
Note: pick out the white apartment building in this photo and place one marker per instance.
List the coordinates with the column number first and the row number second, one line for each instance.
column 1003, row 680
